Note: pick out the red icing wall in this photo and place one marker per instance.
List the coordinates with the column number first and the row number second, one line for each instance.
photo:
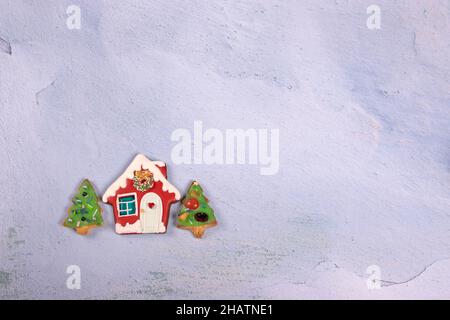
column 166, row 199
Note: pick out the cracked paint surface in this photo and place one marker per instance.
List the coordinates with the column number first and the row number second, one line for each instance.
column 363, row 116
column 5, row 46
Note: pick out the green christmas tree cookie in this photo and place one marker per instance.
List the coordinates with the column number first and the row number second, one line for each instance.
column 196, row 215
column 85, row 213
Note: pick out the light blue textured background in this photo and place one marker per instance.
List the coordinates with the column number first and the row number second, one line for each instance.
column 364, row 120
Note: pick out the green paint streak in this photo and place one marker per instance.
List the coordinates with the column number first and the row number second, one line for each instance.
column 5, row 278
column 12, row 232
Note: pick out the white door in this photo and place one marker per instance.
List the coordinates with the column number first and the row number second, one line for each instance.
column 151, row 214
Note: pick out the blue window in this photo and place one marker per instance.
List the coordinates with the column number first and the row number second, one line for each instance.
column 127, row 205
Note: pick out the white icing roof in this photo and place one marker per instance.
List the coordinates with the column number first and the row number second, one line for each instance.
column 141, row 161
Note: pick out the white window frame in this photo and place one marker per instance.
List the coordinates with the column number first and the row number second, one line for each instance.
column 118, row 204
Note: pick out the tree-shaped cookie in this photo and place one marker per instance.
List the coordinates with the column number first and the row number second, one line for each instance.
column 85, row 212
column 196, row 215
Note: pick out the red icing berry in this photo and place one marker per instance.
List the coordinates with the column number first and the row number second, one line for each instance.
column 192, row 204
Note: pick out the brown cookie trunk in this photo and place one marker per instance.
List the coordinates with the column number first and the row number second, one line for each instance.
column 84, row 230
column 200, row 230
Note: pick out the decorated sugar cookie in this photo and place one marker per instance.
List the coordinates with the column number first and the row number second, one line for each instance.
column 85, row 213
column 141, row 197
column 196, row 215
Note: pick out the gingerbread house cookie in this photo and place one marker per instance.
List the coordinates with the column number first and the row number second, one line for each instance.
column 141, row 197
